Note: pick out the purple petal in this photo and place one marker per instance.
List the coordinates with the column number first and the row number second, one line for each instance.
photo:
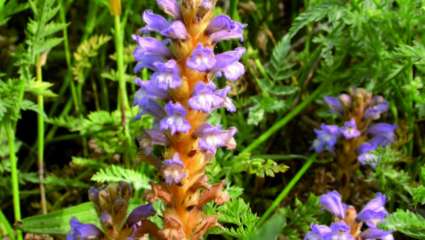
column 173, row 170
column 334, row 104
column 150, row 138
column 171, row 7
column 207, row 98
column 379, row 106
column 83, row 231
column 224, row 28
column 167, row 75
column 340, row 231
column 140, row 213
column 212, row 137
column 176, row 30
column 350, row 131
column 202, row 59
column 317, row 232
column 150, row 46
column 233, row 71
column 227, row 58
column 326, row 138
column 154, row 22
column 175, row 120
column 383, row 133
column 332, row 202
column 374, row 211
column 375, row 233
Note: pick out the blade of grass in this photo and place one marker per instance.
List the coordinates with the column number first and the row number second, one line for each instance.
column 5, row 226
column 282, row 122
column 287, row 189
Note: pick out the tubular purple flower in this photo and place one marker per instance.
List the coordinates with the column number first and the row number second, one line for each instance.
column 232, row 72
column 146, row 61
column 150, row 46
column 375, row 233
column 150, row 89
column 224, row 28
column 207, row 98
column 326, row 138
column 175, row 120
column 167, row 75
column 212, row 137
column 154, row 22
column 334, row 104
column 148, row 105
column 170, row 7
column 374, row 211
column 80, row 231
column 332, row 202
column 379, row 107
column 339, row 231
column 202, row 59
column 173, row 170
column 140, row 213
column 228, row 58
column 317, row 232
column 176, row 30
column 350, row 131
column 151, row 138
column 384, row 133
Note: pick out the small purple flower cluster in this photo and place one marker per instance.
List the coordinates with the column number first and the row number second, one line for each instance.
column 359, row 110
column 349, row 224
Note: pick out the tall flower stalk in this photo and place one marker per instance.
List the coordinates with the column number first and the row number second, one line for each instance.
column 180, row 95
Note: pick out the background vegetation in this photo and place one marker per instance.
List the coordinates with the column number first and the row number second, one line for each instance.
column 59, row 64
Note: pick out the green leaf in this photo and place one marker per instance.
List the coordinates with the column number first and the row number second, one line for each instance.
column 58, row 222
column 40, row 88
column 406, row 222
column 419, row 194
column 116, row 174
column 238, row 219
column 271, row 228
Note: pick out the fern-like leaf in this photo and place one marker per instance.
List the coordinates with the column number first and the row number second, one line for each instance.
column 116, row 174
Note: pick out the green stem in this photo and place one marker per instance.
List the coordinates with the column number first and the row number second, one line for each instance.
column 287, row 189
column 234, row 9
column 40, row 139
column 123, row 99
column 14, row 175
column 119, row 47
column 282, row 122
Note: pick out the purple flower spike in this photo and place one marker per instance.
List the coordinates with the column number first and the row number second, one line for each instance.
column 374, row 211
column 206, row 98
column 332, row 202
column 340, row 231
column 350, row 131
column 224, row 28
column 154, row 22
column 317, row 232
column 202, row 59
column 173, row 170
column 334, row 104
column 326, row 138
column 175, row 120
column 375, row 233
column 167, row 75
column 212, row 137
column 384, row 133
column 171, row 7
column 176, row 30
column 140, row 213
column 80, row 231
